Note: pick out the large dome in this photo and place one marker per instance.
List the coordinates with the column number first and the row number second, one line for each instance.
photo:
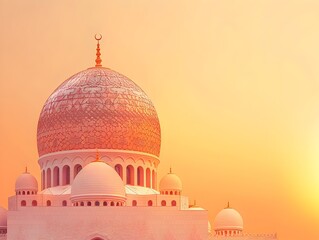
column 98, row 108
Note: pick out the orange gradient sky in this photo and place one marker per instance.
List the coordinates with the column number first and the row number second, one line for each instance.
column 235, row 85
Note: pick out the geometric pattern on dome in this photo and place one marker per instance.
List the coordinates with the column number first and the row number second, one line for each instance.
column 98, row 108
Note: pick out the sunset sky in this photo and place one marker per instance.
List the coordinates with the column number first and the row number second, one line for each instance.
column 235, row 85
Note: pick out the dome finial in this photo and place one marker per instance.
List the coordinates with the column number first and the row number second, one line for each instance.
column 170, row 169
column 228, row 205
column 26, row 169
column 97, row 158
column 98, row 60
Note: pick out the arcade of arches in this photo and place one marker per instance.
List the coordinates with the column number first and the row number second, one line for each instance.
column 136, row 176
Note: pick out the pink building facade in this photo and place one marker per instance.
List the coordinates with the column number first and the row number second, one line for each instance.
column 99, row 143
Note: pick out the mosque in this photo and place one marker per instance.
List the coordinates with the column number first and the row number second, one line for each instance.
column 99, row 142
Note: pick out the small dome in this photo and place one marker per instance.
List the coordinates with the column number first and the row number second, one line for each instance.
column 97, row 180
column 228, row 219
column 26, row 182
column 3, row 217
column 170, row 182
column 195, row 207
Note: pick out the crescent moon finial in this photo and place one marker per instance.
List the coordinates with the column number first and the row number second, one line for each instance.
column 98, row 60
column 98, row 36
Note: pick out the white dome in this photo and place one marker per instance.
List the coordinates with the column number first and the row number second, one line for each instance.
column 97, row 180
column 26, row 182
column 194, row 207
column 170, row 182
column 228, row 219
column 3, row 217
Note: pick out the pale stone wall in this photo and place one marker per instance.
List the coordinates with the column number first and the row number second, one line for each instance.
column 111, row 223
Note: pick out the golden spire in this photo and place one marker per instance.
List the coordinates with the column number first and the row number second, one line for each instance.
column 98, row 60
column 170, row 169
column 228, row 205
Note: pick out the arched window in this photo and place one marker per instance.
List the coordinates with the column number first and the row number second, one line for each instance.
column 34, row 203
column 43, row 180
column 150, row 203
column 97, row 203
column 134, row 203
column 153, row 179
column 66, row 175
column 148, row 178
column 89, row 204
column 163, row 203
column 28, row 192
column 48, row 203
column 105, row 203
column 81, row 204
column 49, row 178
column 112, row 204
column 23, row 192
column 166, row 192
column 77, row 169
column 64, row 203
column 173, row 203
column 119, row 170
column 176, row 193
column 56, row 176
column 118, row 204
column 130, row 175
column 23, row 203
column 140, row 176
column 171, row 192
